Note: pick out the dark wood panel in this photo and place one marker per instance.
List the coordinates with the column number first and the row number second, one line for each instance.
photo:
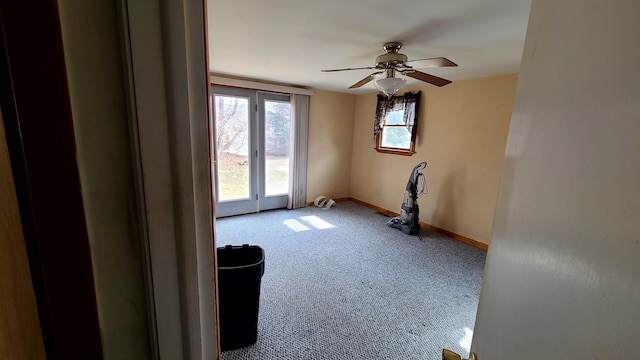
column 39, row 129
column 20, row 334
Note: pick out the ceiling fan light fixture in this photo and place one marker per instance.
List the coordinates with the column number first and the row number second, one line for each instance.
column 390, row 85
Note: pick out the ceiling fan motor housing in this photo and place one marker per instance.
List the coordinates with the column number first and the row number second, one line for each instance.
column 391, row 59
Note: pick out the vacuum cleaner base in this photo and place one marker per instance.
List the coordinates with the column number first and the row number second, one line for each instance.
column 406, row 228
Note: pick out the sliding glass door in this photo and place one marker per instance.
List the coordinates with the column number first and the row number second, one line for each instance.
column 251, row 133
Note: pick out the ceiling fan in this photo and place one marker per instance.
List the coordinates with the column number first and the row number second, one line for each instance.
column 392, row 62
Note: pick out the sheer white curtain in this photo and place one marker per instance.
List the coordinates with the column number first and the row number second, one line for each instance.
column 299, row 147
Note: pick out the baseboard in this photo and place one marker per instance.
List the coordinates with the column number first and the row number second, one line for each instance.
column 461, row 238
column 464, row 239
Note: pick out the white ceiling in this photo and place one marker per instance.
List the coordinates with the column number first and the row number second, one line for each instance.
column 290, row 41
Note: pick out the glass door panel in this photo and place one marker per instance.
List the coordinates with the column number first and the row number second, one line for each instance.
column 233, row 140
column 274, row 111
column 251, row 150
column 277, row 124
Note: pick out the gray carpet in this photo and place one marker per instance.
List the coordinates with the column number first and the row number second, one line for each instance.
column 352, row 288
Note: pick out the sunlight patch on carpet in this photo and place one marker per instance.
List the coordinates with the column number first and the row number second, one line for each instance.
column 466, row 340
column 295, row 225
column 317, row 222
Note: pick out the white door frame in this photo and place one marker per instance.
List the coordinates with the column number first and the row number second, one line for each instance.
column 165, row 48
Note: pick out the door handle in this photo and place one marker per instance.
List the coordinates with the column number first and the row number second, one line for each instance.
column 450, row 355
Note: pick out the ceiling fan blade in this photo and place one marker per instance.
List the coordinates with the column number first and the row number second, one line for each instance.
column 345, row 69
column 365, row 80
column 431, row 79
column 431, row 62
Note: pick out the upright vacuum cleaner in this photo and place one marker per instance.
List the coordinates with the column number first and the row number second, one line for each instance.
column 408, row 221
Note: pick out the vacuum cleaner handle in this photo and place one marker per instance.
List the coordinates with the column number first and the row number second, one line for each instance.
column 413, row 178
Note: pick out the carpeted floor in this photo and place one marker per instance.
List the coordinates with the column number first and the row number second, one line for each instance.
column 339, row 284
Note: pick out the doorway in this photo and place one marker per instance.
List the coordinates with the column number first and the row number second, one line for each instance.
column 250, row 150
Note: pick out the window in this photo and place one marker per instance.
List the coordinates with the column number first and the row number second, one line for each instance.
column 394, row 128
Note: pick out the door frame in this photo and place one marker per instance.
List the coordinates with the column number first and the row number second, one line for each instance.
column 166, row 61
column 166, row 46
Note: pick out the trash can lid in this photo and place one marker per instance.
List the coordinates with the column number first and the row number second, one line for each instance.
column 239, row 256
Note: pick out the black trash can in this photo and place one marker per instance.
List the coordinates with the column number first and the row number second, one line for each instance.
column 240, row 270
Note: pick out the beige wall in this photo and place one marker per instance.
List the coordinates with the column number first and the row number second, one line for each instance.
column 562, row 278
column 20, row 335
column 331, row 117
column 96, row 88
column 462, row 133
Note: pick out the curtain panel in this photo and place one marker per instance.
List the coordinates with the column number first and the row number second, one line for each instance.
column 299, row 149
column 408, row 102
